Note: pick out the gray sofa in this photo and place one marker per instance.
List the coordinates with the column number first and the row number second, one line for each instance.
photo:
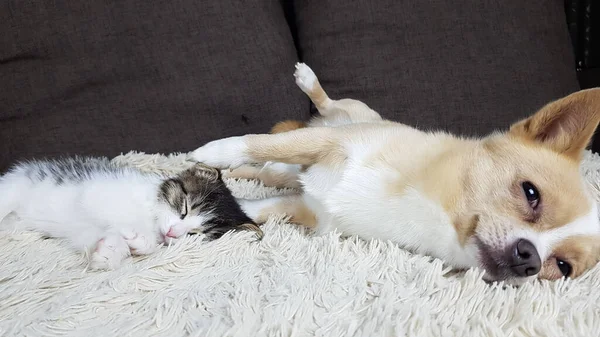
column 103, row 77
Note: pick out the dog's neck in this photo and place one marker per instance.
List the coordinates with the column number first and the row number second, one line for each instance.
column 445, row 179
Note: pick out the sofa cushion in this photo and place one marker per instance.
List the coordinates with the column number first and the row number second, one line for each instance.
column 469, row 66
column 104, row 77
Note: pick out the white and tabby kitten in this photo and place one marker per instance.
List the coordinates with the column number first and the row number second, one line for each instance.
column 113, row 211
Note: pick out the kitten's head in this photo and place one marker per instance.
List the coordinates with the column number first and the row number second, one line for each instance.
column 187, row 200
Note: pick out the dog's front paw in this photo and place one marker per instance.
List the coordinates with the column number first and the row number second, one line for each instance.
column 223, row 153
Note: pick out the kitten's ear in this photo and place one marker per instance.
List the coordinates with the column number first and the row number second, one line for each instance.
column 206, row 172
column 565, row 126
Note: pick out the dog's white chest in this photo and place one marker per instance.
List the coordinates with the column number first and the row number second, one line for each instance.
column 359, row 201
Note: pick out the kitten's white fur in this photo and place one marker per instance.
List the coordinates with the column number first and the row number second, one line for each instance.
column 110, row 215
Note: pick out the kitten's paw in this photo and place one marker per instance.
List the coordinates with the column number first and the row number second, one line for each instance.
column 109, row 253
column 223, row 153
column 215, row 233
column 140, row 244
column 252, row 228
column 305, row 77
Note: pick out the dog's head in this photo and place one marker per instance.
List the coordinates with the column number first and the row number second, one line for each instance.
column 529, row 210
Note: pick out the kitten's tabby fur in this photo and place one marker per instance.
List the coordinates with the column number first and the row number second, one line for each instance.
column 115, row 211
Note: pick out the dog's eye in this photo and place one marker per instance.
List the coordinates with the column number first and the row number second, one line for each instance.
column 532, row 194
column 564, row 267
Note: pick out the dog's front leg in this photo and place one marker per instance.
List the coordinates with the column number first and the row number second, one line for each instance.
column 303, row 146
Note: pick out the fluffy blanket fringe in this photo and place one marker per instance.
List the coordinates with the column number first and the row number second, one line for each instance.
column 290, row 284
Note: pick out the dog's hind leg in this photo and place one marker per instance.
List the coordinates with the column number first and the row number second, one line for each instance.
column 292, row 206
column 341, row 111
column 305, row 146
column 308, row 82
column 278, row 175
column 249, row 172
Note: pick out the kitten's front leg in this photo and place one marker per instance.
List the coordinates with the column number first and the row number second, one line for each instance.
column 110, row 252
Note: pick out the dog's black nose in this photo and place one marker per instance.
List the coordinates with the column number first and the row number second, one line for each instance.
column 524, row 259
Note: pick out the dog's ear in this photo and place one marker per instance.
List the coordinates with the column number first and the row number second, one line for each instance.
column 565, row 125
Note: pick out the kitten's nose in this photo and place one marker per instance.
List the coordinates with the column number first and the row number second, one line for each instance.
column 524, row 259
column 171, row 233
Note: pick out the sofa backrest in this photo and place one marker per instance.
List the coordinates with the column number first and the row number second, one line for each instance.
column 102, row 77
column 470, row 66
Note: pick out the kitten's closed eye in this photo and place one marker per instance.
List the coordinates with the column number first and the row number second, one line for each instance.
column 174, row 193
column 184, row 209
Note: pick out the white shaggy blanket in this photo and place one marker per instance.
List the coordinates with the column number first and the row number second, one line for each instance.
column 289, row 284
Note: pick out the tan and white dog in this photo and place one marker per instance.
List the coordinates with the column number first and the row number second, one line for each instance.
column 512, row 203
